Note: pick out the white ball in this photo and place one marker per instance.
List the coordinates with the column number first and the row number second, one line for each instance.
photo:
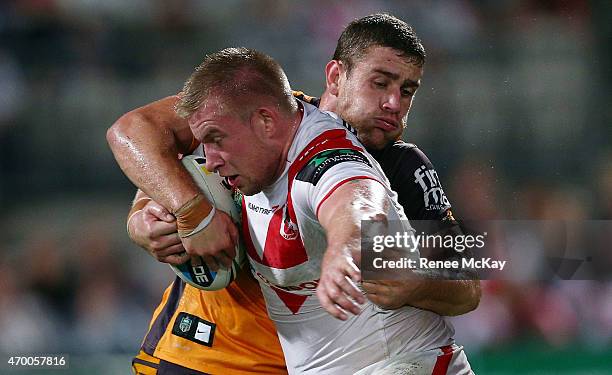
column 219, row 194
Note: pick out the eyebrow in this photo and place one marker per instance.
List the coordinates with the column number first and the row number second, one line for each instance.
column 395, row 76
column 209, row 134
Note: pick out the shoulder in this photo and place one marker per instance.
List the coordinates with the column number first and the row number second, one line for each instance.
column 415, row 180
column 320, row 131
column 409, row 150
column 402, row 155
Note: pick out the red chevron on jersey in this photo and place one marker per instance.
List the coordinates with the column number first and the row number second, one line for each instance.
column 283, row 248
column 292, row 301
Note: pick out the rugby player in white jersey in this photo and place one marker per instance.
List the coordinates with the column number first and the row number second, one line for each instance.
column 303, row 235
column 371, row 94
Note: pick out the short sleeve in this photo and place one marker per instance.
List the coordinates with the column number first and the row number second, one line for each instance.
column 326, row 172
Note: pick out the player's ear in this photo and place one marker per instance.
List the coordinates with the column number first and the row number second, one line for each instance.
column 332, row 76
column 263, row 122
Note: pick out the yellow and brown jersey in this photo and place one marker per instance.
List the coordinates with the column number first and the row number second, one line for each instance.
column 213, row 332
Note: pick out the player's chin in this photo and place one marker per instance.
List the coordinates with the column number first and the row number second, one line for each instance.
column 377, row 139
column 248, row 189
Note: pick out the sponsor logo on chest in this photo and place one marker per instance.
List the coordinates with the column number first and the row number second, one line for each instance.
column 433, row 195
column 262, row 210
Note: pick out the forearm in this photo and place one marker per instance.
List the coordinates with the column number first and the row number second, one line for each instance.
column 341, row 215
column 446, row 297
column 146, row 143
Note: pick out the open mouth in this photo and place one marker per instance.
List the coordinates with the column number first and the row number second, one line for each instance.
column 232, row 180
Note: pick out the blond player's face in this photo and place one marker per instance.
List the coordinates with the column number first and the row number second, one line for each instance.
column 233, row 149
column 375, row 97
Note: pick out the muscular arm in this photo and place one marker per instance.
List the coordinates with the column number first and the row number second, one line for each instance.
column 146, row 142
column 444, row 297
column 341, row 215
column 404, row 164
column 448, row 297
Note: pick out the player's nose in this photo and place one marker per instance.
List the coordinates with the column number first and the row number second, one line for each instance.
column 213, row 159
column 392, row 101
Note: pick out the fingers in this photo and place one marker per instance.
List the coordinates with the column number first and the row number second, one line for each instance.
column 157, row 232
column 209, row 260
column 159, row 243
column 350, row 289
column 215, row 244
column 372, row 291
column 347, row 279
column 165, row 251
column 158, row 211
column 220, row 260
column 230, row 238
column 175, row 259
column 224, row 259
column 169, row 252
column 234, row 234
column 155, row 228
column 337, row 291
column 352, row 270
column 388, row 294
column 336, row 296
column 371, row 287
column 329, row 305
column 216, row 251
column 217, row 262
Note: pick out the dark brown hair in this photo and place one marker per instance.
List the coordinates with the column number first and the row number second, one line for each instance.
column 379, row 29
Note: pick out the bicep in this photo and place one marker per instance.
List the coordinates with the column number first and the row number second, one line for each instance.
column 151, row 126
column 161, row 115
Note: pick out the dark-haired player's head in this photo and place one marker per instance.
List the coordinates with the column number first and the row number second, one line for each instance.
column 378, row 30
column 374, row 74
column 239, row 105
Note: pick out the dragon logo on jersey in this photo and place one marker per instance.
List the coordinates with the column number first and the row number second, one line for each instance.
column 434, row 196
column 288, row 229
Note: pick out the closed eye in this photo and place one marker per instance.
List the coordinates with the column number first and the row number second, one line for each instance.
column 380, row 84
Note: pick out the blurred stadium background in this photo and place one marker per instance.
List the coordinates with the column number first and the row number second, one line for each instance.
column 514, row 111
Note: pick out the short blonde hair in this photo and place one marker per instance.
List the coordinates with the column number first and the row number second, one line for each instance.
column 242, row 78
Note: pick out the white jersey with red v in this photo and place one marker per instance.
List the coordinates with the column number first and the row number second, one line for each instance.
column 286, row 243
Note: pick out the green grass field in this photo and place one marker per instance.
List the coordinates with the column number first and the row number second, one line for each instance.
column 536, row 358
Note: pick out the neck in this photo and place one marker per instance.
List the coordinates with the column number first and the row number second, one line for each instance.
column 294, row 124
column 328, row 102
